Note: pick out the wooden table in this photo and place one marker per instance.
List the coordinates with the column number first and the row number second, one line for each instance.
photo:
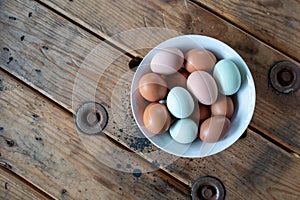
column 44, row 46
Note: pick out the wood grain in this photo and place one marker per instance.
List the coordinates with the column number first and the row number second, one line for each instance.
column 109, row 19
column 39, row 142
column 52, row 71
column 12, row 188
column 276, row 22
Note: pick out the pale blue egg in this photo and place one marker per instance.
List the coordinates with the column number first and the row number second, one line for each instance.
column 227, row 76
column 184, row 131
column 180, row 102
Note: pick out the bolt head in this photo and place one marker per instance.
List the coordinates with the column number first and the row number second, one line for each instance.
column 208, row 188
column 285, row 77
column 91, row 118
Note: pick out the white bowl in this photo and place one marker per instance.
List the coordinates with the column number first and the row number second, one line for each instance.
column 244, row 99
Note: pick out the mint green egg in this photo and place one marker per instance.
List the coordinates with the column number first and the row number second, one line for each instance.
column 227, row 76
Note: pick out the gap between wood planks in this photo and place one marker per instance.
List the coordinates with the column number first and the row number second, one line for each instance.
column 135, row 55
column 4, row 167
column 203, row 5
column 173, row 179
column 176, row 181
column 98, row 34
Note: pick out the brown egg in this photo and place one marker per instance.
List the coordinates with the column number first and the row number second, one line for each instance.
column 223, row 106
column 204, row 112
column 153, row 87
column 176, row 79
column 200, row 59
column 201, row 112
column 214, row 129
column 157, row 118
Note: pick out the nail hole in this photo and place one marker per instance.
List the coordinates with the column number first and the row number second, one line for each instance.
column 134, row 63
column 10, row 143
column 64, row 191
column 9, row 60
column 12, row 18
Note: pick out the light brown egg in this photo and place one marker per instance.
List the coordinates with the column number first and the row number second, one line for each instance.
column 157, row 118
column 153, row 87
column 214, row 129
column 223, row 106
column 167, row 61
column 203, row 86
column 200, row 59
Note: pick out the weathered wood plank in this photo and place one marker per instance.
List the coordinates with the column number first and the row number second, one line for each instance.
column 11, row 187
column 108, row 18
column 235, row 166
column 276, row 22
column 39, row 142
column 31, row 146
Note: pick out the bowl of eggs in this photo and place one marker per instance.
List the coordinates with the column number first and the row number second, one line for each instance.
column 193, row 96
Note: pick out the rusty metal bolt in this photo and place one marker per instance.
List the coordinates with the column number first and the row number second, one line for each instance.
column 285, row 77
column 91, row 118
column 208, row 188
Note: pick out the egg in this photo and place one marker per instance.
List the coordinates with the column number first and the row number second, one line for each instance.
column 203, row 86
column 204, row 112
column 152, row 87
column 167, row 61
column 227, row 76
column 223, row 106
column 201, row 112
column 176, row 79
column 157, row 118
column 199, row 59
column 184, row 131
column 214, row 129
column 180, row 102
